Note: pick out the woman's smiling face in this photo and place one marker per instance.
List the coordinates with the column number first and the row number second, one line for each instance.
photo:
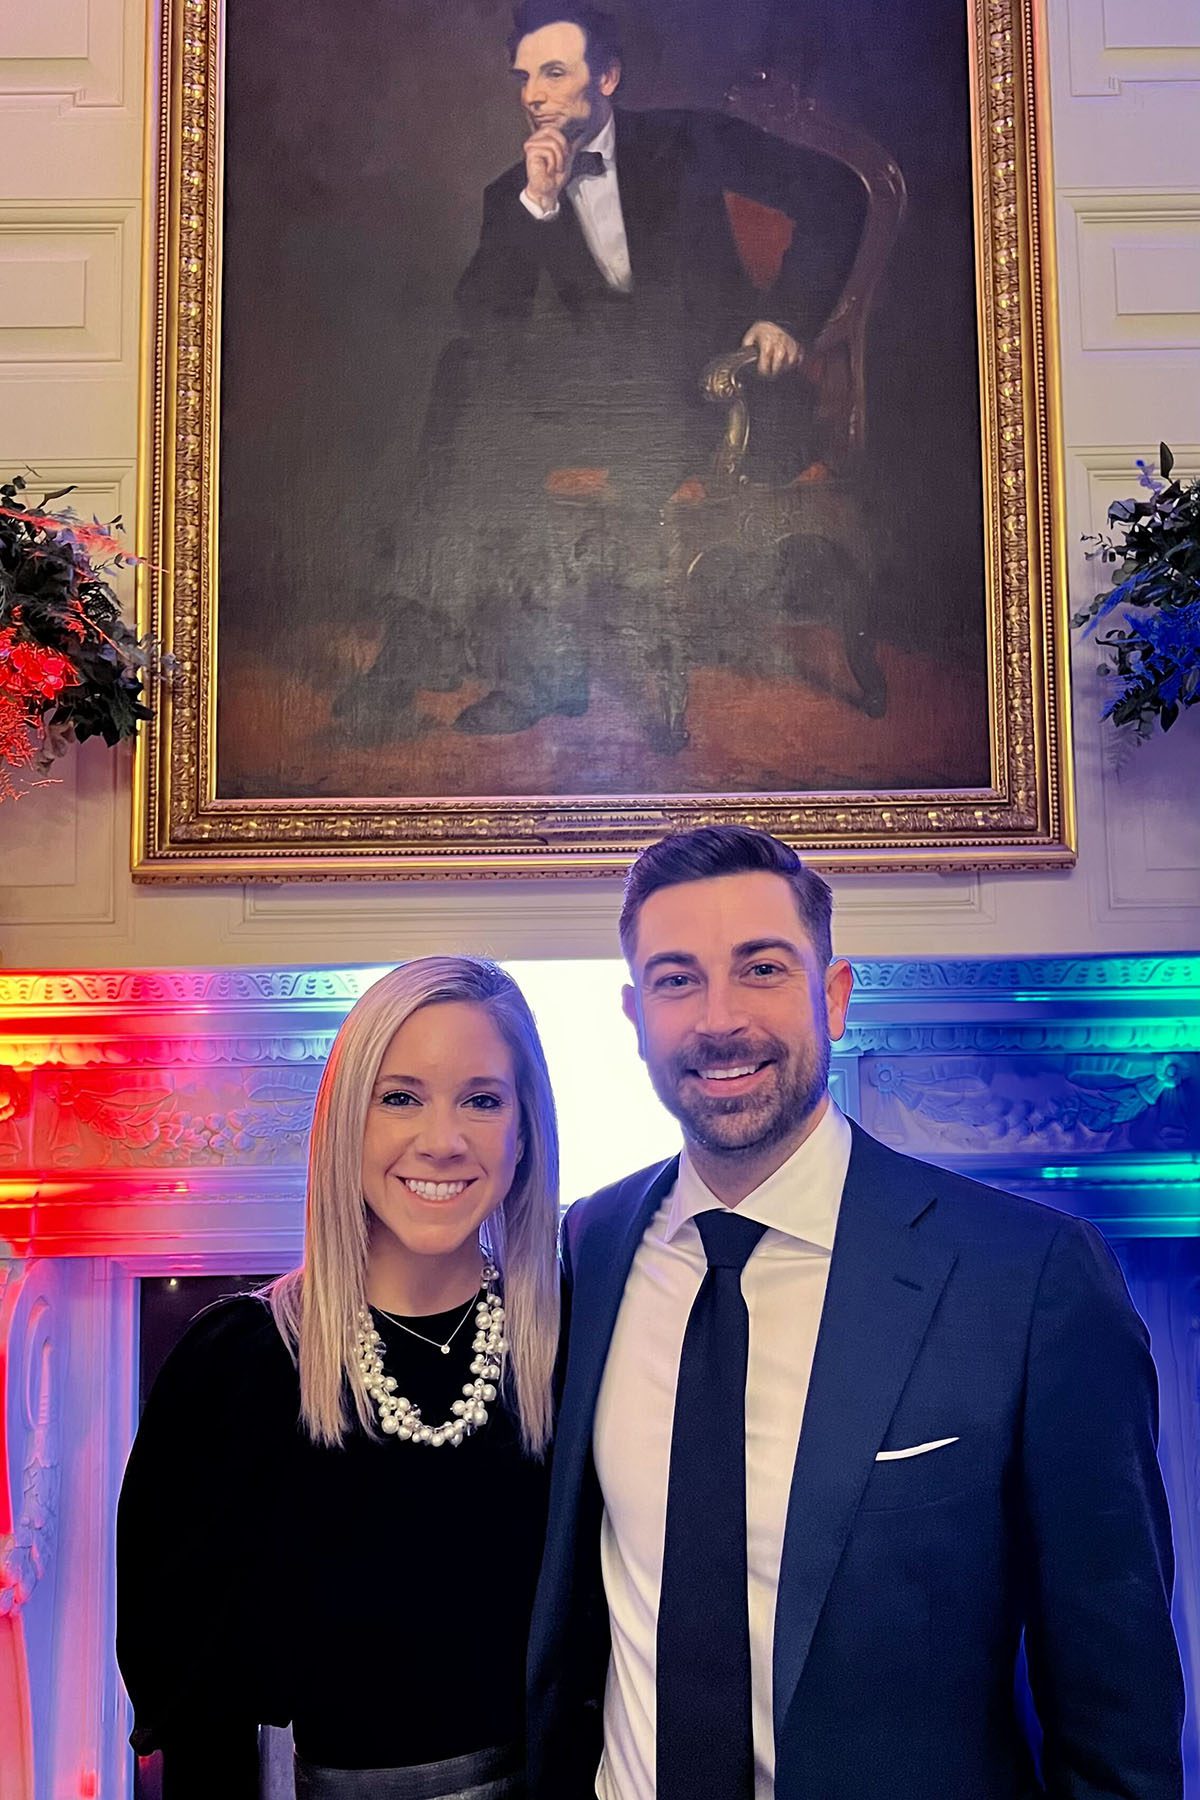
column 443, row 1132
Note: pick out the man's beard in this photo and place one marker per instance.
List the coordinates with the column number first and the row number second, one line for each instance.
column 775, row 1110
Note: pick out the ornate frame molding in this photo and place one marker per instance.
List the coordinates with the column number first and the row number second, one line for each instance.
column 1024, row 819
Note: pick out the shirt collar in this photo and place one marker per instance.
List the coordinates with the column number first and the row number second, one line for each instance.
column 801, row 1198
column 605, row 141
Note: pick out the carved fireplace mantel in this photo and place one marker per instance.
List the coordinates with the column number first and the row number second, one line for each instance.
column 155, row 1124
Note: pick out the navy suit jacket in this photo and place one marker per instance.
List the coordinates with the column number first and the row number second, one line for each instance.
column 915, row 1592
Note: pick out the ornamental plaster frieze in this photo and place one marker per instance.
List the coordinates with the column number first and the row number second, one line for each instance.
column 21, row 1055
column 1150, row 980
column 137, row 990
column 97, row 1118
column 161, row 1119
column 1035, row 976
column 1034, row 1106
column 1030, row 1034
column 128, row 1051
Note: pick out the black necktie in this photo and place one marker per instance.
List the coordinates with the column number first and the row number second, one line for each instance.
column 587, row 162
column 704, row 1731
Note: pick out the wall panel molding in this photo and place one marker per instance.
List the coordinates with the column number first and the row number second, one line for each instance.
column 535, row 921
column 68, row 275
column 1137, row 276
column 1117, row 41
column 427, row 918
column 77, row 52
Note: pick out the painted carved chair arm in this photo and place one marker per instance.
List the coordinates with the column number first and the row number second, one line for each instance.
column 723, row 383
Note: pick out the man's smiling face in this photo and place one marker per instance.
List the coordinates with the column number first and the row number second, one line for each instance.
column 734, row 1014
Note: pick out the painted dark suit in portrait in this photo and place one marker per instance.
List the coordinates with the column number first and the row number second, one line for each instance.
column 568, row 413
column 492, row 558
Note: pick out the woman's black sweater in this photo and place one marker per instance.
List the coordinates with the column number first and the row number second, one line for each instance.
column 377, row 1595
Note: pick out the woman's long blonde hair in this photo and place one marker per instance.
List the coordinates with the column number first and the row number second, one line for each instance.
column 316, row 1306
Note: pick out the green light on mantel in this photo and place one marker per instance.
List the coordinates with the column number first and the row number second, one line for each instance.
column 1163, row 1170
column 1135, row 1196
column 1147, row 1225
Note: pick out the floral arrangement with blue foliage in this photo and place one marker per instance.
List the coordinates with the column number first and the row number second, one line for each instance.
column 1152, row 648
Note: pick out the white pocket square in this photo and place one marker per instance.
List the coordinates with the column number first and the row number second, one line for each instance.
column 916, row 1450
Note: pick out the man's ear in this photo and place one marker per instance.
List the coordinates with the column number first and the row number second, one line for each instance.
column 629, row 1006
column 839, row 983
column 610, row 81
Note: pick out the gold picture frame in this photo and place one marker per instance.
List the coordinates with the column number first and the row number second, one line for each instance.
column 186, row 830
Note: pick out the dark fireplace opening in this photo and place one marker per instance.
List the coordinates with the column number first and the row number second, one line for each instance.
column 167, row 1306
column 169, row 1303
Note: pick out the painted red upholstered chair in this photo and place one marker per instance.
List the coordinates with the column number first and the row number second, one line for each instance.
column 723, row 522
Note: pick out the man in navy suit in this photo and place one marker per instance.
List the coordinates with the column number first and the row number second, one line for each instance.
column 855, row 1491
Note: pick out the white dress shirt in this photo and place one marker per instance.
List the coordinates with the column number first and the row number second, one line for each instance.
column 597, row 203
column 784, row 1287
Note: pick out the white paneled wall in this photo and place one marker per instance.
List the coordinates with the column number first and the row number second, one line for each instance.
column 1126, row 98
column 1125, row 86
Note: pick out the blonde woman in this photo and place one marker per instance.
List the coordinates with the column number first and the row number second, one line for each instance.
column 334, row 1509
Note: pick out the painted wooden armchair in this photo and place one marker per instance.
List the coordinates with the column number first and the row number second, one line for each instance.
column 806, row 538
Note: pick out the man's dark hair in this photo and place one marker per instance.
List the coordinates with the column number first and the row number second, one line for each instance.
column 726, row 850
column 600, row 29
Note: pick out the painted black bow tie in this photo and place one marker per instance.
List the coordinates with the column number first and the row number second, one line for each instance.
column 587, row 162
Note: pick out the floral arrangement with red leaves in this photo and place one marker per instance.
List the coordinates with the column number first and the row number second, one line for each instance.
column 70, row 667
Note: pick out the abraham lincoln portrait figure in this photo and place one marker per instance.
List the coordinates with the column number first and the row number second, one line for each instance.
column 569, row 412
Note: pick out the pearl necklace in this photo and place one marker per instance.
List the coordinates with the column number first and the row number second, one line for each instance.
column 398, row 1417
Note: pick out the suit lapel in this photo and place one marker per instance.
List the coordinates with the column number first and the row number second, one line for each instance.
column 885, row 1279
column 600, row 1287
column 571, row 1563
